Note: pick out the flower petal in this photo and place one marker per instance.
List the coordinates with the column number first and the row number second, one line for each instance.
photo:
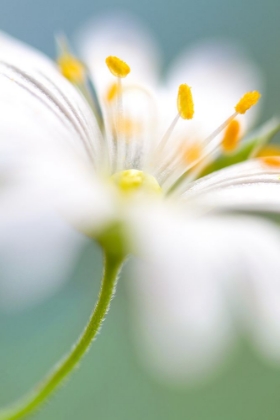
column 49, row 144
column 30, row 77
column 50, row 141
column 37, row 255
column 196, row 277
column 252, row 186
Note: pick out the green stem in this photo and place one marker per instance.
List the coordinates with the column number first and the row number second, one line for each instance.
column 25, row 406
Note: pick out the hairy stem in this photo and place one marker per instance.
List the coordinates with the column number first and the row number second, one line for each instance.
column 112, row 265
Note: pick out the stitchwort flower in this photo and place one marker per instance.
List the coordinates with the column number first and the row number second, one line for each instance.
column 97, row 155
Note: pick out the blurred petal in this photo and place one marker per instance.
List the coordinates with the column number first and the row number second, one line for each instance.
column 49, row 138
column 251, row 185
column 182, row 324
column 30, row 78
column 258, row 290
column 48, row 146
column 192, row 277
column 37, row 255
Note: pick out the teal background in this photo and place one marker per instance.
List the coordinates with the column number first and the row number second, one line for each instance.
column 111, row 384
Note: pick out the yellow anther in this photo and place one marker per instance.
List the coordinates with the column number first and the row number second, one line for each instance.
column 128, row 126
column 112, row 92
column 247, row 101
column 271, row 161
column 117, row 67
column 231, row 137
column 133, row 181
column 185, row 102
column 269, row 150
column 191, row 153
column 71, row 68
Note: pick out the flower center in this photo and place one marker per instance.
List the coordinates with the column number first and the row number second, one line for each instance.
column 127, row 133
column 134, row 181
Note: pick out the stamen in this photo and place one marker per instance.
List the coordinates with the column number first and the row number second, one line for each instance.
column 247, row 101
column 231, row 137
column 269, row 150
column 211, row 143
column 169, row 131
column 128, row 127
column 185, row 108
column 271, row 161
column 120, row 70
column 69, row 65
column 71, row 68
column 117, row 67
column 191, row 153
column 112, row 92
column 185, row 102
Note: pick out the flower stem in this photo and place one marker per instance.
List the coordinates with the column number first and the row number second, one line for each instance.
column 112, row 265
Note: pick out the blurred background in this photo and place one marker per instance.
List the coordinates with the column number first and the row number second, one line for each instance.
column 112, row 383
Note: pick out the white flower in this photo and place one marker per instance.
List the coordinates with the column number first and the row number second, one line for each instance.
column 201, row 262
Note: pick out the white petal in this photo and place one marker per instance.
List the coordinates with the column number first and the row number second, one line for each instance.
column 30, row 78
column 194, row 273
column 258, row 290
column 182, row 326
column 49, row 138
column 121, row 35
column 37, row 254
column 251, row 185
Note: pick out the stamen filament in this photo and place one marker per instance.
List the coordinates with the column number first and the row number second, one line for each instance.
column 220, row 128
column 120, row 98
column 69, row 65
column 185, row 109
column 169, row 131
column 184, row 174
column 76, row 72
column 119, row 117
column 119, row 69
